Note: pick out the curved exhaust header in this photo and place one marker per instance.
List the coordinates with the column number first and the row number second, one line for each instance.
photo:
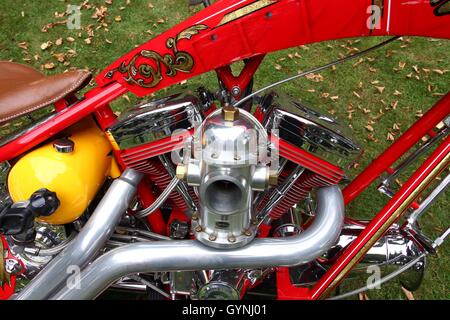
column 320, row 236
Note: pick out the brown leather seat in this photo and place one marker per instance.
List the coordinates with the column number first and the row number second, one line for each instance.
column 24, row 89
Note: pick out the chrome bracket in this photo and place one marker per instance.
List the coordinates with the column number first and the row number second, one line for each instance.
column 385, row 185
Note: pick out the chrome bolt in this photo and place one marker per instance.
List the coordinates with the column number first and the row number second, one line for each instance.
column 236, row 91
column 212, row 237
column 230, row 113
column 198, row 229
column 232, row 239
column 12, row 266
column 195, row 216
column 248, row 233
column 64, row 145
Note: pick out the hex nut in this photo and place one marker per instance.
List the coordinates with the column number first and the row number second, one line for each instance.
column 230, row 113
column 273, row 178
column 182, row 172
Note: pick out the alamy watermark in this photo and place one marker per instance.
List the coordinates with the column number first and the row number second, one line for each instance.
column 373, row 281
column 73, row 17
column 74, row 280
column 252, row 147
column 374, row 20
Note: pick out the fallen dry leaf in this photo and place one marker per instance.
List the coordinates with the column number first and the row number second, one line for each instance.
column 390, row 137
column 357, row 63
column 394, row 104
column 380, row 89
column 59, row 56
column 49, row 66
column 363, row 296
column 23, row 45
column 52, row 25
column 439, row 71
column 334, row 98
column 370, row 137
column 356, row 94
column 46, row 45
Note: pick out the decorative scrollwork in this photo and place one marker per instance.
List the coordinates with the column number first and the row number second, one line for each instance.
column 145, row 69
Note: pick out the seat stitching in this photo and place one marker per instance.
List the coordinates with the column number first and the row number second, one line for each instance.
column 83, row 77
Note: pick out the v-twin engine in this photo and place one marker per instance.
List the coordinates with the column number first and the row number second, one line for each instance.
column 244, row 194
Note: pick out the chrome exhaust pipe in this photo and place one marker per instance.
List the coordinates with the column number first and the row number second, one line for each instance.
column 88, row 242
column 189, row 255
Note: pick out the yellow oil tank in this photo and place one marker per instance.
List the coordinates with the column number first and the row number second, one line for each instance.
column 75, row 171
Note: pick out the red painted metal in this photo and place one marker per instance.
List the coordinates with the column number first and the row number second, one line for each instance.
column 138, row 157
column 221, row 36
column 279, row 25
column 8, row 288
column 370, row 231
column 104, row 116
column 155, row 220
column 243, row 80
column 60, row 105
column 330, row 173
column 419, row 129
column 286, row 290
column 65, row 118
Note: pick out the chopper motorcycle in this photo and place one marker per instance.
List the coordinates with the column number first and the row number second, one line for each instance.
column 212, row 195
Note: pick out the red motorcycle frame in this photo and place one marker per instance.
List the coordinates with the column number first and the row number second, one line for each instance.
column 236, row 30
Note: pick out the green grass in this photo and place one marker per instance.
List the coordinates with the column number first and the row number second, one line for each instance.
column 21, row 21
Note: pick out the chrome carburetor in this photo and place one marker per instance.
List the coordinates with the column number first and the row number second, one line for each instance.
column 228, row 163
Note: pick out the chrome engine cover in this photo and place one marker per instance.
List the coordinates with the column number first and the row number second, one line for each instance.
column 156, row 120
column 310, row 130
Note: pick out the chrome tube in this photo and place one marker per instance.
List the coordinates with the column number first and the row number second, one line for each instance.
column 192, row 255
column 181, row 187
column 89, row 241
column 425, row 204
column 159, row 201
